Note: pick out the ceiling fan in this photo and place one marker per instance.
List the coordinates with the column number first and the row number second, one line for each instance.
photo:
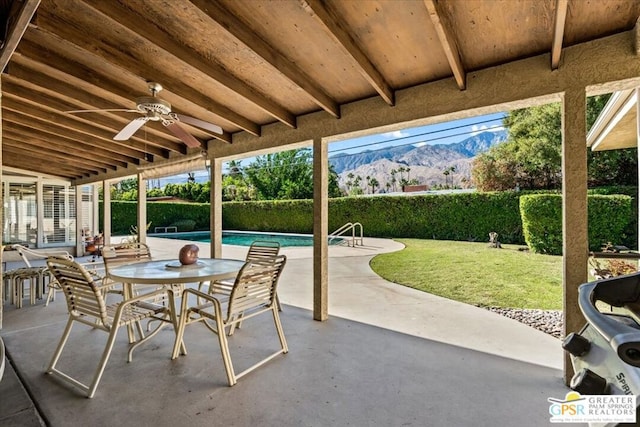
column 156, row 109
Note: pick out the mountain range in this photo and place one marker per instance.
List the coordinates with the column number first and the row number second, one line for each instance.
column 426, row 163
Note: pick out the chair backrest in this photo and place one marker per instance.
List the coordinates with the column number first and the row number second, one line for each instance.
column 129, row 253
column 262, row 249
column 29, row 254
column 1, row 358
column 81, row 292
column 255, row 286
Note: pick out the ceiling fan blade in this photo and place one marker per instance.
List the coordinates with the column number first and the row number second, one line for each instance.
column 130, row 129
column 185, row 136
column 200, row 123
column 105, row 110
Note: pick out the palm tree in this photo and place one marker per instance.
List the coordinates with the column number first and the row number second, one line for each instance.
column 235, row 167
column 452, row 169
column 393, row 178
column 446, row 173
column 374, row 184
column 401, row 169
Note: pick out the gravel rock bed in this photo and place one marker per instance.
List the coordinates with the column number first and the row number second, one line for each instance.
column 547, row 321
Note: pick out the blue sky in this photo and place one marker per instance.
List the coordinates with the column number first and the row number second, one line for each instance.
column 440, row 133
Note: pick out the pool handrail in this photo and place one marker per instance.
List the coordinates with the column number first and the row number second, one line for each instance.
column 354, row 227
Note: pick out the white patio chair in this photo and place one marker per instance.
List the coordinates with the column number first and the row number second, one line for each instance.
column 34, row 274
column 116, row 255
column 253, row 293
column 259, row 250
column 1, row 358
column 86, row 304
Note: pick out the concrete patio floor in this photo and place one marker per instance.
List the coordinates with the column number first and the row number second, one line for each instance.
column 388, row 356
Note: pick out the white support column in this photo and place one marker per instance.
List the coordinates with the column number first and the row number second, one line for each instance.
column 142, row 209
column 95, row 216
column 79, row 221
column 574, row 210
column 40, row 236
column 320, row 230
column 106, row 220
column 216, row 207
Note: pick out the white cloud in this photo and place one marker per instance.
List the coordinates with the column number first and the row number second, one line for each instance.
column 419, row 144
column 475, row 129
column 395, row 134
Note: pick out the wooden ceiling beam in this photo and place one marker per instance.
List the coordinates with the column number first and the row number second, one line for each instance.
column 444, row 30
column 19, row 24
column 53, row 157
column 248, row 37
column 101, row 92
column 44, row 139
column 174, row 84
column 40, row 160
column 37, row 51
column 57, row 150
column 73, row 124
column 66, row 149
column 558, row 32
column 140, row 26
column 104, row 91
column 75, row 98
column 19, row 162
column 63, row 126
column 338, row 30
column 78, row 137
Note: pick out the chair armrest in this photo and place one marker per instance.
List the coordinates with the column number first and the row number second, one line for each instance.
column 144, row 297
column 199, row 294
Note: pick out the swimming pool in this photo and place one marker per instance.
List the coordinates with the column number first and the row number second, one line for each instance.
column 245, row 238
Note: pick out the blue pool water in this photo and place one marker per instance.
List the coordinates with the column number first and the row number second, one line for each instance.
column 242, row 238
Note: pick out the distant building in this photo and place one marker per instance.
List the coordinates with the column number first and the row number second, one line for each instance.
column 412, row 188
column 170, row 199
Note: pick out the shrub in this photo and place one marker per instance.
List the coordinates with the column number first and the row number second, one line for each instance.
column 608, row 218
column 469, row 216
column 160, row 214
column 185, row 225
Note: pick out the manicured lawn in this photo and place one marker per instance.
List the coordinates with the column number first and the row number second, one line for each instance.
column 476, row 274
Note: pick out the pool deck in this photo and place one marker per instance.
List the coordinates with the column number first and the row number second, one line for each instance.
column 388, row 355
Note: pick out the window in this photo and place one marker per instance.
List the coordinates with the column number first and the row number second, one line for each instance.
column 20, row 213
column 59, row 225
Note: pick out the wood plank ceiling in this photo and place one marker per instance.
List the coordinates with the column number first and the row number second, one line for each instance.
column 244, row 64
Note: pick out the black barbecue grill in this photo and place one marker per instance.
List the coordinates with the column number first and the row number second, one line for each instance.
column 606, row 353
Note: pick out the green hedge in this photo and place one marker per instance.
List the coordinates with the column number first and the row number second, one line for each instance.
column 631, row 232
column 468, row 216
column 608, row 218
column 462, row 216
column 125, row 214
column 286, row 216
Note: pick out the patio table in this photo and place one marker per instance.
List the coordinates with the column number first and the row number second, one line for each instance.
column 172, row 274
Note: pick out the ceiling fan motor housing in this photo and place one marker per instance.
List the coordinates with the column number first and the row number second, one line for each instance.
column 153, row 106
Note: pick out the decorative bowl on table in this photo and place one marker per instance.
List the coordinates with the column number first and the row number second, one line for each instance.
column 188, row 254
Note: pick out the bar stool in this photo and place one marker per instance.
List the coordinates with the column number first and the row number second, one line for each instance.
column 35, row 277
